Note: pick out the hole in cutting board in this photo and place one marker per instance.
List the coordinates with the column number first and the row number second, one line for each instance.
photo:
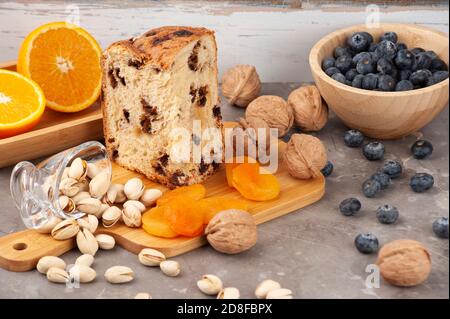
column 20, row 246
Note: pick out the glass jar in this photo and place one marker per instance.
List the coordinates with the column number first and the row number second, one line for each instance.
column 35, row 189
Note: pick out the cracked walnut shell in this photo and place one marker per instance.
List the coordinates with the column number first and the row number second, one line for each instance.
column 404, row 263
column 274, row 110
column 305, row 156
column 241, row 85
column 232, row 231
column 310, row 110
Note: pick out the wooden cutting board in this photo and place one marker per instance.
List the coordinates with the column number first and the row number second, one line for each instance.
column 21, row 251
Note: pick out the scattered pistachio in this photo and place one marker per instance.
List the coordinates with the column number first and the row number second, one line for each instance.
column 57, row 275
column 86, row 242
column 170, row 268
column 99, row 185
column 131, row 216
column 105, row 242
column 111, row 216
column 89, row 206
column 229, row 293
column 78, row 169
column 48, row 226
column 89, row 222
column 82, row 273
column 264, row 287
column 119, row 274
column 120, row 194
column 143, row 295
column 151, row 257
column 85, row 260
column 134, row 188
column 280, row 293
column 136, row 203
column 65, row 229
column 47, row 262
column 210, row 284
column 150, row 196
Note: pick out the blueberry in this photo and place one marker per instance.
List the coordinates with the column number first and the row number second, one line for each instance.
column 358, row 57
column 350, row 75
column 339, row 77
column 368, row 36
column 373, row 47
column 370, row 81
column 421, row 61
column 440, row 76
column 431, row 54
column 389, row 36
column 366, row 243
column 385, row 66
column 401, row 46
column 421, row 149
column 375, row 57
column 404, row 59
column 440, row 227
column 350, row 206
column 344, row 63
column 340, row 51
column 386, row 83
column 404, row 75
column 404, row 85
column 417, row 50
column 373, row 151
column 327, row 169
column 421, row 182
column 332, row 70
column 365, row 66
column 353, row 138
column 327, row 63
column 371, row 188
column 387, row 49
column 392, row 168
column 358, row 42
column 387, row 214
column 420, row 77
column 438, row 65
column 430, row 81
column 382, row 178
column 357, row 81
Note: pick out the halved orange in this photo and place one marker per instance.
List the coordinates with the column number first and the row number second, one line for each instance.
column 22, row 103
column 64, row 60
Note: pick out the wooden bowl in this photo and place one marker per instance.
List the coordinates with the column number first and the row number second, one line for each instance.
column 382, row 115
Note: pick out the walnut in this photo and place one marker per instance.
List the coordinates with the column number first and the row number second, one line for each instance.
column 310, row 110
column 241, row 85
column 305, row 156
column 404, row 263
column 274, row 110
column 232, row 231
column 247, row 134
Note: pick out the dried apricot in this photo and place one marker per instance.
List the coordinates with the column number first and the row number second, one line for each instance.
column 154, row 223
column 196, row 191
column 253, row 184
column 184, row 216
column 234, row 163
column 210, row 206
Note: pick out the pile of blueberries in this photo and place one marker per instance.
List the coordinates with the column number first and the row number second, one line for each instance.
column 391, row 169
column 384, row 66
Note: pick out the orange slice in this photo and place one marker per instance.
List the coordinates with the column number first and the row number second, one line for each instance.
column 64, row 60
column 22, row 103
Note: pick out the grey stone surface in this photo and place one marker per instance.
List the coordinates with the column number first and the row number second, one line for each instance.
column 310, row 251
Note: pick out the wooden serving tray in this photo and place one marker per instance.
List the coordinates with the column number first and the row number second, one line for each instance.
column 21, row 251
column 55, row 132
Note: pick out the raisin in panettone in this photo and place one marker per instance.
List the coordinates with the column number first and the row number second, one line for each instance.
column 153, row 84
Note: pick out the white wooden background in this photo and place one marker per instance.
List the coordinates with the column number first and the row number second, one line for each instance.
column 275, row 38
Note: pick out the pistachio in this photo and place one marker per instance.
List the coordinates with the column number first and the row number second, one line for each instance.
column 279, row 293
column 210, row 284
column 170, row 268
column 143, row 295
column 150, row 196
column 65, row 229
column 131, row 216
column 80, row 196
column 78, row 169
column 151, row 257
column 264, row 287
column 89, row 206
column 134, row 188
column 105, row 241
column 119, row 274
column 49, row 225
column 136, row 203
column 67, row 204
column 229, row 293
column 120, row 196
column 89, row 222
column 57, row 275
column 111, row 216
column 82, row 273
column 65, row 173
column 85, row 260
column 86, row 242
column 110, row 196
column 83, row 185
column 47, row 262
column 99, row 185
column 92, row 170
column 69, row 187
